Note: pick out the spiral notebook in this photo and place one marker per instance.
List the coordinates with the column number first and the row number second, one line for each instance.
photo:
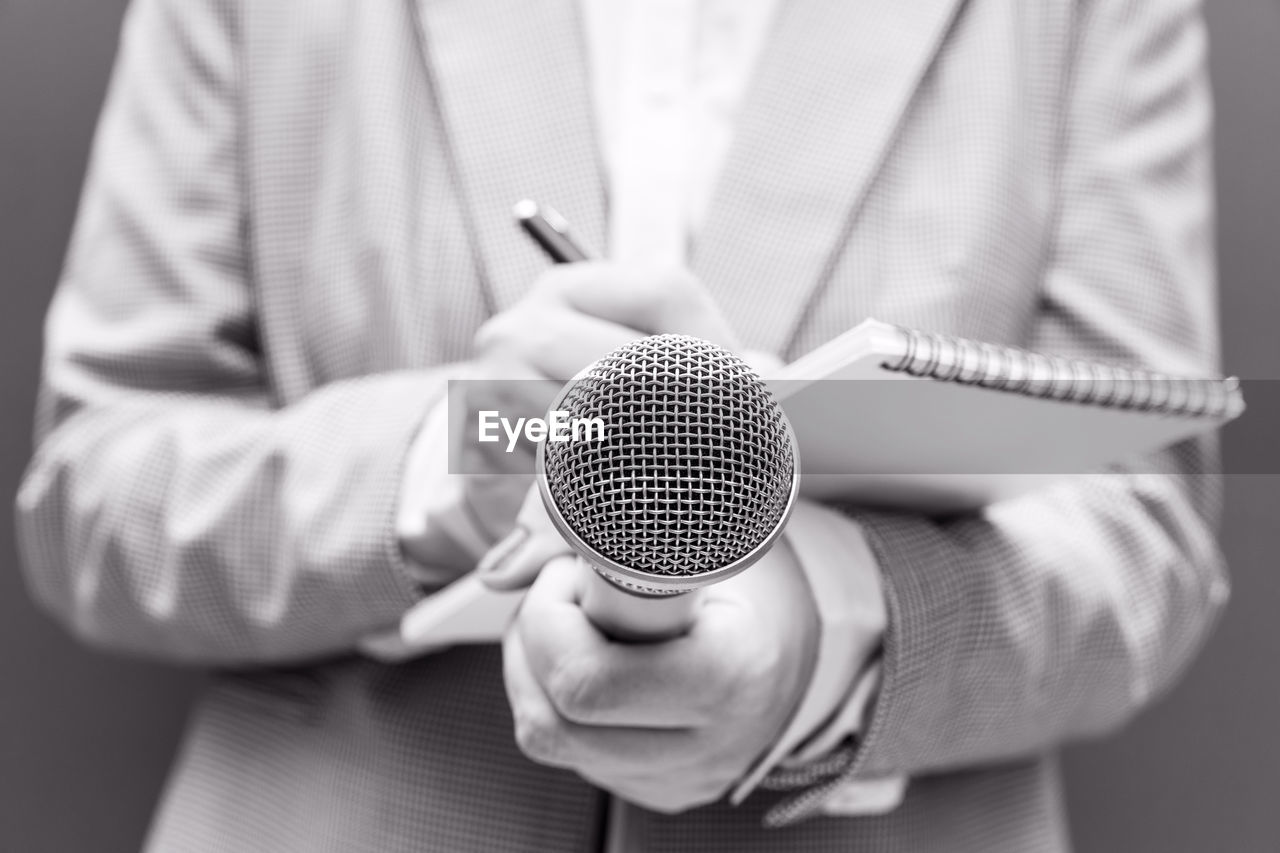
column 968, row 423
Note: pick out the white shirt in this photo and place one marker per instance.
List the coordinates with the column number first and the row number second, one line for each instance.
column 669, row 78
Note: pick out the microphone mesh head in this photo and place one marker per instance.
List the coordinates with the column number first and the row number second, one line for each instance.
column 696, row 466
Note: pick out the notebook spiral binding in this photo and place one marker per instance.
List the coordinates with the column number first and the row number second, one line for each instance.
column 1019, row 371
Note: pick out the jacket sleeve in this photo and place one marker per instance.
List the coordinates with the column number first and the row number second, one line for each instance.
column 1062, row 613
column 171, row 509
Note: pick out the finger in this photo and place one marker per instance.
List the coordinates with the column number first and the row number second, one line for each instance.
column 650, row 300
column 670, row 794
column 517, row 560
column 592, row 337
column 681, row 683
column 612, row 753
column 554, row 339
column 497, row 393
column 538, row 727
column 494, row 471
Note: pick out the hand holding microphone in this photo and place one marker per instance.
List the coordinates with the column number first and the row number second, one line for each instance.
column 676, row 720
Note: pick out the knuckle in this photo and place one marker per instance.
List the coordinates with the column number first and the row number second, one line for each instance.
column 714, row 789
column 722, row 688
column 682, row 289
column 558, row 281
column 742, row 685
column 543, row 331
column 519, row 334
column 572, row 686
column 761, row 658
column 495, row 332
column 680, row 282
column 755, row 687
column 685, row 305
column 537, row 736
column 669, row 802
column 704, row 792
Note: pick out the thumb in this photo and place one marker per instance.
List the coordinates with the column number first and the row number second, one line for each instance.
column 514, row 563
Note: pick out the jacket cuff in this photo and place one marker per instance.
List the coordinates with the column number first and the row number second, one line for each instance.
column 844, row 582
column 395, row 425
column 908, row 690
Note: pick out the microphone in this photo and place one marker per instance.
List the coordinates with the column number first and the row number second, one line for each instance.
column 691, row 482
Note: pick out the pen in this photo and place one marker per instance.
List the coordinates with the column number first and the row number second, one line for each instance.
column 551, row 232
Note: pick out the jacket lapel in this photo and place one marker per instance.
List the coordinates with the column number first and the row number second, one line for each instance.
column 829, row 93
column 511, row 80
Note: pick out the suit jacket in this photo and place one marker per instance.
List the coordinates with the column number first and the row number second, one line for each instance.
column 298, row 215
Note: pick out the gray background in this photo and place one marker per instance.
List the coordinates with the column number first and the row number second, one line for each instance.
column 85, row 740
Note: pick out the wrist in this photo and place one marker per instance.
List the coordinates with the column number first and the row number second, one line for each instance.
column 434, row 524
column 845, row 582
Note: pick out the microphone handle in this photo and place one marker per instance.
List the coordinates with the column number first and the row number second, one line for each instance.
column 633, row 618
